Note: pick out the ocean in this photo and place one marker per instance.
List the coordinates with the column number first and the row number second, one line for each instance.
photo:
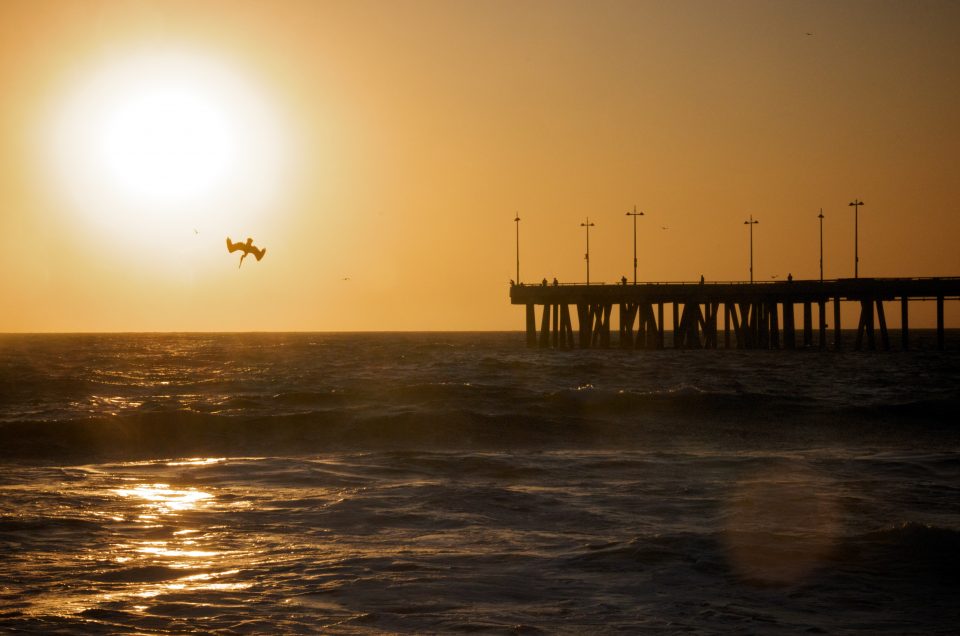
column 459, row 482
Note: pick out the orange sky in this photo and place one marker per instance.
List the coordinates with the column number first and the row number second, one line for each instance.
column 392, row 144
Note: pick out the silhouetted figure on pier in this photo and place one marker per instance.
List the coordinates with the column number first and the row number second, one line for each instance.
column 556, row 283
column 702, row 281
column 248, row 248
column 623, row 280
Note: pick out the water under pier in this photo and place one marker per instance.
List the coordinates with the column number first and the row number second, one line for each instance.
column 754, row 315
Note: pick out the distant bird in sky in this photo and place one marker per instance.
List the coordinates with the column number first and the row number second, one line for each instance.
column 247, row 248
column 808, row 33
column 346, row 278
column 664, row 227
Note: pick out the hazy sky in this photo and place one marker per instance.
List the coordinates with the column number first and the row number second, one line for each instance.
column 380, row 151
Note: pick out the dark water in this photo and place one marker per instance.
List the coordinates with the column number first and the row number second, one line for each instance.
column 428, row 483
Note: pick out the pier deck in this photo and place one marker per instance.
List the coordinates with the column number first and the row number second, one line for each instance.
column 755, row 315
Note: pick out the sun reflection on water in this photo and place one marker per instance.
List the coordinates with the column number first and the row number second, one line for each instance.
column 202, row 582
column 197, row 461
column 163, row 499
column 169, row 547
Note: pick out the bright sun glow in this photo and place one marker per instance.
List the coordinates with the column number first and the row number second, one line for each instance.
column 167, row 145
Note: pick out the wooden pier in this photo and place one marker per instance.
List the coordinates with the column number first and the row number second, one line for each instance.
column 753, row 315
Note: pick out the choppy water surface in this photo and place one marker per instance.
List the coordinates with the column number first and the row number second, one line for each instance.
column 449, row 483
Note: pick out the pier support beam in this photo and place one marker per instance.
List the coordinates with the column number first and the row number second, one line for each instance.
column 745, row 327
column 709, row 325
column 822, row 306
column 585, row 322
column 807, row 324
column 741, row 326
column 643, row 327
column 566, row 328
column 556, row 326
column 774, row 326
column 648, row 332
column 600, row 325
column 531, row 327
column 661, row 327
column 692, row 323
column 837, row 338
column 726, row 325
column 545, row 328
column 736, row 324
column 941, row 342
column 882, row 320
column 605, row 332
column 789, row 328
column 628, row 313
column 762, row 316
column 904, row 324
column 866, row 326
column 676, row 326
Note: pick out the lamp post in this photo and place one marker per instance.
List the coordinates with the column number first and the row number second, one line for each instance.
column 820, row 216
column 856, row 203
column 587, row 225
column 751, row 223
column 517, row 221
column 634, row 214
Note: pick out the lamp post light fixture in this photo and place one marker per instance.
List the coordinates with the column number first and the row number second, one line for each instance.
column 751, row 223
column 820, row 216
column 856, row 203
column 634, row 214
column 587, row 225
column 517, row 221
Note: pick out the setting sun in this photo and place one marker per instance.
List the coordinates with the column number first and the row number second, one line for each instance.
column 167, row 143
column 161, row 144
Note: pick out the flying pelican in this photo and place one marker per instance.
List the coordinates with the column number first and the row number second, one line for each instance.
column 248, row 248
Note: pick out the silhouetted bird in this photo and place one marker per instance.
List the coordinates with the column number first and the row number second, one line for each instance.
column 247, row 248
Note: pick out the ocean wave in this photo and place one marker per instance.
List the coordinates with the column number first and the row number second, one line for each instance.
column 305, row 423
column 940, row 408
column 153, row 395
column 331, row 397
column 142, row 574
column 701, row 550
column 908, row 551
column 10, row 525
